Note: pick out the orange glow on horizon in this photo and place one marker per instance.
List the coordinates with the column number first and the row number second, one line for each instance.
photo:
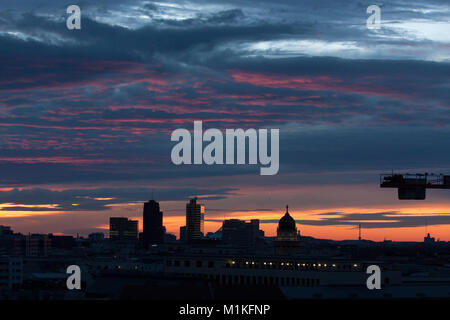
column 25, row 213
column 269, row 219
column 333, row 232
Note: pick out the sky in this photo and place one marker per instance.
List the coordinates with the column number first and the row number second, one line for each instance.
column 86, row 115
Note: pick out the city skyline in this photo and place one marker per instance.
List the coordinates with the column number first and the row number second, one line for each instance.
column 352, row 230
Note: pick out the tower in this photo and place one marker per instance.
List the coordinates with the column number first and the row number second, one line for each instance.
column 287, row 240
column 195, row 215
column 287, row 229
column 153, row 232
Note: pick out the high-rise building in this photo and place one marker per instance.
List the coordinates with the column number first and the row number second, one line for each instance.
column 195, row 215
column 183, row 234
column 123, row 229
column 241, row 233
column 153, row 224
column 5, row 231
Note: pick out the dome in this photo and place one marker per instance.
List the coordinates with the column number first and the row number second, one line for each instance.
column 287, row 223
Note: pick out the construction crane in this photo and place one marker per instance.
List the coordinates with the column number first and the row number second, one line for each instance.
column 413, row 186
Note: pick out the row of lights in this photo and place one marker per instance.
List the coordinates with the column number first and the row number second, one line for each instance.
column 288, row 264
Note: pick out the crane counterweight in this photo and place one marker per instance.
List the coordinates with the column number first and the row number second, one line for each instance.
column 413, row 186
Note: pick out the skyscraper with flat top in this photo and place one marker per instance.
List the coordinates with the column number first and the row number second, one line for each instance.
column 195, row 215
column 154, row 230
column 241, row 233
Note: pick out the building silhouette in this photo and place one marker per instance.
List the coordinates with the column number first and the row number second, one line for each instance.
column 154, row 230
column 62, row 241
column 37, row 245
column 287, row 240
column 123, row 229
column 241, row 233
column 195, row 215
column 183, row 234
column 429, row 239
column 11, row 269
column 96, row 236
column 5, row 231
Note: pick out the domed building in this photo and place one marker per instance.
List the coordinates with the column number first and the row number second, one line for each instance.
column 287, row 229
column 287, row 241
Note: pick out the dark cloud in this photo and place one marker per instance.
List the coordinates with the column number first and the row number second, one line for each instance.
column 381, row 220
column 374, row 220
column 99, row 198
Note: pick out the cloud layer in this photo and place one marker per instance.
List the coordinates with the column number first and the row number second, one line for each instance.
column 90, row 111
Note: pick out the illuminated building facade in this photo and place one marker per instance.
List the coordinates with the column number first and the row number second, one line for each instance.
column 123, row 229
column 195, row 216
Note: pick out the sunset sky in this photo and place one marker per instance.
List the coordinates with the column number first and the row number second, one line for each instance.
column 86, row 115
